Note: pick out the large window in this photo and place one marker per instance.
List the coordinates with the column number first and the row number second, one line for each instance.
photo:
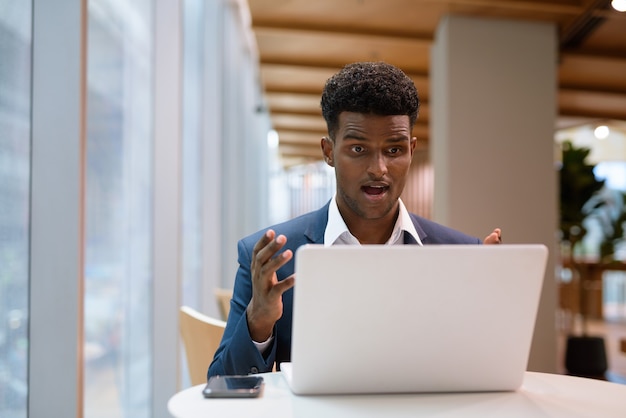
column 15, row 112
column 194, row 70
column 118, row 233
column 116, row 196
column 224, row 158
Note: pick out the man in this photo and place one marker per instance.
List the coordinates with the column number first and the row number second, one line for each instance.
column 370, row 110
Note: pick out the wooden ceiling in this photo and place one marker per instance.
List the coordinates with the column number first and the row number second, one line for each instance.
column 301, row 43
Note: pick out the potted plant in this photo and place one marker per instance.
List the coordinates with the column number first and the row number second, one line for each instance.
column 585, row 354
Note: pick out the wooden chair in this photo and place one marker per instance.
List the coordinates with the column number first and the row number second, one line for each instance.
column 201, row 336
column 223, row 301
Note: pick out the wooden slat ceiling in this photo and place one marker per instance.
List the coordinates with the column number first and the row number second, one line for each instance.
column 303, row 42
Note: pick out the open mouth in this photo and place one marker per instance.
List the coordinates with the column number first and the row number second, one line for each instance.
column 374, row 190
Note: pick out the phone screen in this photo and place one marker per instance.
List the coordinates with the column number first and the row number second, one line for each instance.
column 233, row 387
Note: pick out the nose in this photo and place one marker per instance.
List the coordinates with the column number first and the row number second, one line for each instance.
column 377, row 166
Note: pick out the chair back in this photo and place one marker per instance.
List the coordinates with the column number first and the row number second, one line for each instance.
column 223, row 297
column 201, row 336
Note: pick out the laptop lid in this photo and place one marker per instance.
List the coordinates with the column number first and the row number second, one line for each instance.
column 394, row 319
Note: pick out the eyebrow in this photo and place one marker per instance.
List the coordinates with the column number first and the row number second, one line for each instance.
column 358, row 137
column 399, row 139
column 355, row 137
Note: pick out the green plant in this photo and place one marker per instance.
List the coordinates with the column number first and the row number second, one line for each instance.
column 608, row 208
column 584, row 200
column 578, row 184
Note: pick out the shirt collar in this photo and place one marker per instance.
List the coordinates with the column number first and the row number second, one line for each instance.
column 337, row 232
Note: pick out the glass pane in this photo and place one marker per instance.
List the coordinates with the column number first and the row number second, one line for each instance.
column 118, row 275
column 15, row 109
column 193, row 73
column 193, row 13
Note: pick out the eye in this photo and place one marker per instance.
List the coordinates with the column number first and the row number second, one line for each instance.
column 358, row 149
column 395, row 150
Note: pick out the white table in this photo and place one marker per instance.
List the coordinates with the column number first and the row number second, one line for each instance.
column 541, row 395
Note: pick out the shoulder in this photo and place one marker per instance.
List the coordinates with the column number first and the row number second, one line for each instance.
column 434, row 233
column 307, row 227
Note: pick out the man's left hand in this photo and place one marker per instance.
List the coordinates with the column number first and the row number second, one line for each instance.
column 494, row 238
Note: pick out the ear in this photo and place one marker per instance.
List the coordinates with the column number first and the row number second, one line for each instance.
column 413, row 144
column 327, row 149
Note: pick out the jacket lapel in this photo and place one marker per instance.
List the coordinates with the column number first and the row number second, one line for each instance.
column 420, row 232
column 314, row 232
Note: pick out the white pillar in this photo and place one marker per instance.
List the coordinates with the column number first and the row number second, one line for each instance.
column 493, row 89
column 55, row 372
column 167, row 212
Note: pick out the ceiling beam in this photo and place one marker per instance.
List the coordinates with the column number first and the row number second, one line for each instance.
column 530, row 6
column 304, row 47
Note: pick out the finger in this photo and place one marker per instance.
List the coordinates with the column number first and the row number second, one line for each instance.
column 260, row 244
column 285, row 284
column 498, row 233
column 265, row 249
column 270, row 250
column 271, row 266
column 255, row 264
column 492, row 239
column 266, row 264
column 263, row 241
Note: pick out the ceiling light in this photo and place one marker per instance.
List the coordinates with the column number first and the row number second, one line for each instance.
column 619, row 5
column 601, row 132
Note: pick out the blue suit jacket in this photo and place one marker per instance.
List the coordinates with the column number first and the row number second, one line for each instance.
column 237, row 354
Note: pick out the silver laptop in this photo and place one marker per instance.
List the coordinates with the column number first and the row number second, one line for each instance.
column 407, row 319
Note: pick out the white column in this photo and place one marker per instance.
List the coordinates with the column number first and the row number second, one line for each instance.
column 493, row 89
column 212, row 167
column 57, row 207
column 167, row 212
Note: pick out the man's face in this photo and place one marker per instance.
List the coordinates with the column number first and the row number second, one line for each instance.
column 371, row 155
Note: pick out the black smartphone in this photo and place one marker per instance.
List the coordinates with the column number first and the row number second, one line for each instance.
column 233, row 387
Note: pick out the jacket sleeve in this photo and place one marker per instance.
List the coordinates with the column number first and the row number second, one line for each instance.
column 236, row 353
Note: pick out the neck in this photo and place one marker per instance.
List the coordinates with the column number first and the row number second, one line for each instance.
column 371, row 231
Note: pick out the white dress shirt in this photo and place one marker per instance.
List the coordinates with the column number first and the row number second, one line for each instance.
column 337, row 232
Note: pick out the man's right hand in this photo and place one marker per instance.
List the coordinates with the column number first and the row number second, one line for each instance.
column 266, row 305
